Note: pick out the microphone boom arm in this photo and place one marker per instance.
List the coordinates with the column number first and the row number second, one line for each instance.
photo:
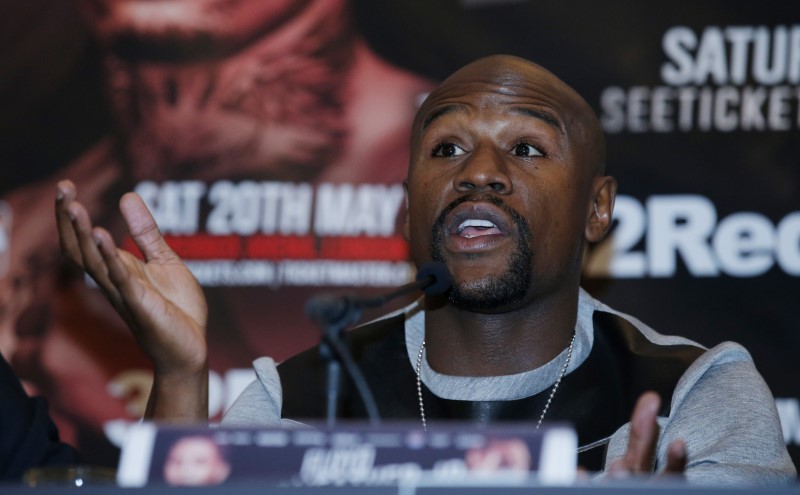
column 335, row 313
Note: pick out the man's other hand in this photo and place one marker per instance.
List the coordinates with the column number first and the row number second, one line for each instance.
column 639, row 458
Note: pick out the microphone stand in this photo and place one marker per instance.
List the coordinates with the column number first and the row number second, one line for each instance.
column 334, row 319
column 335, row 313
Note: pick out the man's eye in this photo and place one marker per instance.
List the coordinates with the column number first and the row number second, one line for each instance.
column 447, row 150
column 525, row 150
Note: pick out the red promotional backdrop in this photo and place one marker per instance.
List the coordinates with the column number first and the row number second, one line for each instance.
column 270, row 140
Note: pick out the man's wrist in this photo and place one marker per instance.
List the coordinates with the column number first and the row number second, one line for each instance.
column 179, row 396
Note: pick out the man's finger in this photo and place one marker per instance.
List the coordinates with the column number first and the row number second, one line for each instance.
column 114, row 267
column 143, row 229
column 644, row 434
column 676, row 457
column 91, row 259
column 65, row 195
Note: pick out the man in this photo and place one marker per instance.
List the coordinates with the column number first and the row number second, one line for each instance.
column 505, row 186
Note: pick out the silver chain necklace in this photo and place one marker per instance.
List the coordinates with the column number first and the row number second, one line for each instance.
column 421, row 353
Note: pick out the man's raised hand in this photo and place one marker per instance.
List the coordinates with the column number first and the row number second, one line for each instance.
column 158, row 298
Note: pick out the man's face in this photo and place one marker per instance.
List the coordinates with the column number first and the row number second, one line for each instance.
column 228, row 89
column 499, row 185
column 195, row 461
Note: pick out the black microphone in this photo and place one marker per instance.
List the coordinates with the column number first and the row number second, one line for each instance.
column 432, row 279
column 437, row 279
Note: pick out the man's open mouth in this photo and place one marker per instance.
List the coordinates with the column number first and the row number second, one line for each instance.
column 470, row 220
column 474, row 227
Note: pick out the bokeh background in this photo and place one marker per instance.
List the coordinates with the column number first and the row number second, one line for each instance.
column 270, row 139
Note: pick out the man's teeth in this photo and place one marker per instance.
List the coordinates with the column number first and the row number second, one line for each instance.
column 475, row 223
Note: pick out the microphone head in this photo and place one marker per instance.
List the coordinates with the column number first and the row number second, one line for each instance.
column 439, row 276
column 327, row 308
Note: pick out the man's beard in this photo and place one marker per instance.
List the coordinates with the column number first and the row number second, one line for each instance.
column 505, row 288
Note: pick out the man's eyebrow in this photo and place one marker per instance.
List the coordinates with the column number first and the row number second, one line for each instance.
column 436, row 114
column 542, row 115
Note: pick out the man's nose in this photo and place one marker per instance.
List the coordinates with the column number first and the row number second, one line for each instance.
column 485, row 169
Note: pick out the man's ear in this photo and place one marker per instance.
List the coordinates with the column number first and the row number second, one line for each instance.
column 406, row 228
column 601, row 209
